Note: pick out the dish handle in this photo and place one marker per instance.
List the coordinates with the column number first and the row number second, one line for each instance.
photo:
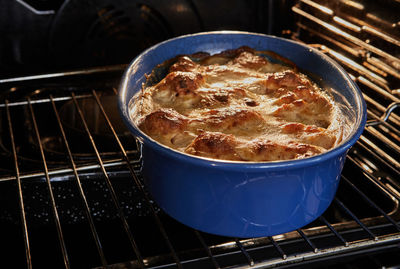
column 385, row 115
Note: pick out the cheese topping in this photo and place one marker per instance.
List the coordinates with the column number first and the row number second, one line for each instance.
column 238, row 105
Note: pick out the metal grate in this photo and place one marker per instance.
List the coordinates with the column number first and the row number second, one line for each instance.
column 70, row 174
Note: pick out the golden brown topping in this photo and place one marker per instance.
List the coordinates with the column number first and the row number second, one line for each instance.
column 221, row 97
column 310, row 134
column 162, row 122
column 230, row 54
column 285, row 79
column 295, row 128
column 237, row 105
column 249, row 60
column 229, row 118
column 250, row 102
column 265, row 150
column 215, row 145
column 304, row 112
column 183, row 64
column 183, row 83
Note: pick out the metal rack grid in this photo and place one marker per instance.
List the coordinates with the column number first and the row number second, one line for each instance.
column 381, row 229
column 370, row 176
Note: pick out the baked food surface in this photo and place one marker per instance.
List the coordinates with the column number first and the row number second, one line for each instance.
column 238, row 105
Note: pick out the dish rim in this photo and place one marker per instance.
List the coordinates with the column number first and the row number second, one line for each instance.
column 352, row 137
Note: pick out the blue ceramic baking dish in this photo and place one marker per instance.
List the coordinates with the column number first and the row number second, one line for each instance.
column 243, row 199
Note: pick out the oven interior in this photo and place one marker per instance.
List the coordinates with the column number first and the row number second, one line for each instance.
column 71, row 189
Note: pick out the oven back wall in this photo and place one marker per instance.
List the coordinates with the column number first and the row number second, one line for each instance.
column 41, row 36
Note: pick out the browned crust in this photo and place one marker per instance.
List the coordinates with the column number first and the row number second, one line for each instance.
column 162, row 122
column 190, row 113
column 265, row 150
column 214, row 145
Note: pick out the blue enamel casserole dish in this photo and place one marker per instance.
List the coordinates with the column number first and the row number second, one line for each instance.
column 243, row 199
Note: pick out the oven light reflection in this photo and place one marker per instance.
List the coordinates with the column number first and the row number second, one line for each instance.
column 389, row 186
column 396, row 91
column 227, row 245
column 318, row 6
column 180, row 8
column 366, row 167
column 347, row 24
column 279, row 237
column 355, row 66
column 353, row 4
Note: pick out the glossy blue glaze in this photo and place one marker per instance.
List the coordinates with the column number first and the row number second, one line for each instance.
column 242, row 199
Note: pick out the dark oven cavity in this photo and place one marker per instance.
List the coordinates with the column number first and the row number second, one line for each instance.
column 70, row 172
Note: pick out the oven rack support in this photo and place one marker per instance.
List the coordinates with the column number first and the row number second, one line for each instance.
column 241, row 247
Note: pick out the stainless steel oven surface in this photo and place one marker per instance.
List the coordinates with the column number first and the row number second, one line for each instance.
column 71, row 189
